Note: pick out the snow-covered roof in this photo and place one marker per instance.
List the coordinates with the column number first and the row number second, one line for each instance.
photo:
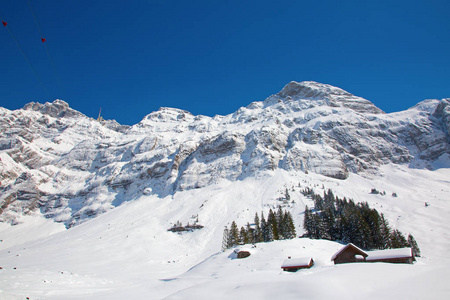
column 389, row 253
column 364, row 253
column 247, row 249
column 296, row 262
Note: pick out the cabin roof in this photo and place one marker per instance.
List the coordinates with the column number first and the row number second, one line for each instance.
column 350, row 245
column 389, row 254
column 244, row 249
column 296, row 262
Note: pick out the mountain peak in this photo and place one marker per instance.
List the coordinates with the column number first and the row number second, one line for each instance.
column 58, row 108
column 310, row 89
column 332, row 95
column 81, row 167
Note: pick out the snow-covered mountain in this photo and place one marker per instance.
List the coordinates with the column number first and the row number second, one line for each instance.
column 124, row 187
column 59, row 162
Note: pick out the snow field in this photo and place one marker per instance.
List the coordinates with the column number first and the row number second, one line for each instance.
column 128, row 252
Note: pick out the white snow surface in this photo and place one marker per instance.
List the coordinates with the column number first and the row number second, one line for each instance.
column 128, row 252
column 389, row 253
column 296, row 262
column 119, row 189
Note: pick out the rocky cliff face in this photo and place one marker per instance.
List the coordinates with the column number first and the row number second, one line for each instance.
column 58, row 162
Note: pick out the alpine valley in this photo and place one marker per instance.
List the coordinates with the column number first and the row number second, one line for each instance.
column 85, row 204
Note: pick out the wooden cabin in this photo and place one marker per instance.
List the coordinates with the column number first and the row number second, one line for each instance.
column 396, row 256
column 351, row 253
column 295, row 264
column 243, row 254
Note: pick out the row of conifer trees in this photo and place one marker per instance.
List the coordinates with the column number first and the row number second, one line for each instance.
column 278, row 226
column 344, row 220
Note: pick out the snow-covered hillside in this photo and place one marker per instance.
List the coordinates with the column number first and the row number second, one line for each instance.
column 118, row 189
column 58, row 162
column 128, row 252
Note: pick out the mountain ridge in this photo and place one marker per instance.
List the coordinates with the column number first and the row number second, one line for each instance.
column 58, row 162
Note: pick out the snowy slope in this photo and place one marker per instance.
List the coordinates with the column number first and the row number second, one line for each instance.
column 128, row 251
column 58, row 162
column 120, row 188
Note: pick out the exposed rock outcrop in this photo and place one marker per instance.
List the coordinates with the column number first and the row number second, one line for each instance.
column 58, row 162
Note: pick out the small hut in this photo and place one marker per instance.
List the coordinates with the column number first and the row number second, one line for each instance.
column 351, row 253
column 241, row 253
column 396, row 256
column 295, row 264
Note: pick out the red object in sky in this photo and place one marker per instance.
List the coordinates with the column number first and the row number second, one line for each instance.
column 4, row 23
column 43, row 40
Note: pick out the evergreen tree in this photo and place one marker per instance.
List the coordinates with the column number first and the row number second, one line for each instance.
column 385, row 234
column 318, row 202
column 225, row 240
column 307, row 222
column 290, row 234
column 316, row 229
column 250, row 234
column 347, row 221
column 281, row 224
column 270, row 234
column 398, row 240
column 243, row 238
column 233, row 234
column 372, row 219
column 413, row 244
column 286, row 195
column 258, row 232
column 322, row 229
column 272, row 221
column 265, row 229
column 328, row 221
column 328, row 200
column 344, row 229
column 356, row 230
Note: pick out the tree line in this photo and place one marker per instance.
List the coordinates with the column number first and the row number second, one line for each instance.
column 344, row 220
column 278, row 226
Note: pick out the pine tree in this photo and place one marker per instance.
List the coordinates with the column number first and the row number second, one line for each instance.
column 286, row 195
column 225, row 240
column 250, row 234
column 233, row 234
column 373, row 220
column 281, row 224
column 270, row 234
column 258, row 232
column 290, row 226
column 318, row 202
column 398, row 240
column 347, row 221
column 413, row 244
column 272, row 221
column 307, row 222
column 385, row 234
column 328, row 219
column 328, row 200
column 344, row 229
column 265, row 229
column 243, row 239
column 316, row 229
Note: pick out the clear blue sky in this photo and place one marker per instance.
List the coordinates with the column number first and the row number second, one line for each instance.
column 212, row 57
